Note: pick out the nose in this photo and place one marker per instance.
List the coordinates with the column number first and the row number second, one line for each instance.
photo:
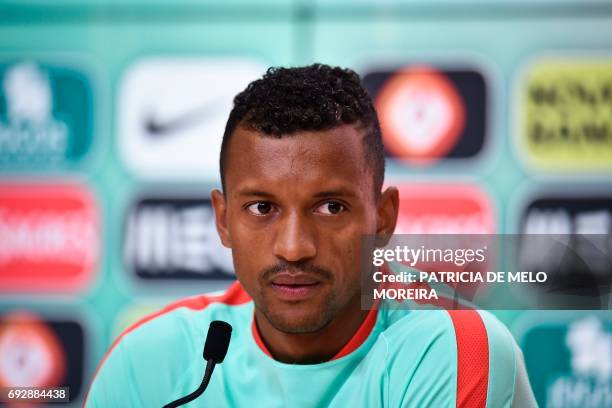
column 294, row 240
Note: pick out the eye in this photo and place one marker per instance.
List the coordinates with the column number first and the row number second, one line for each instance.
column 331, row 208
column 259, row 208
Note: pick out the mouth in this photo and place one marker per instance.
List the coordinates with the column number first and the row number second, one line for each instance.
column 295, row 287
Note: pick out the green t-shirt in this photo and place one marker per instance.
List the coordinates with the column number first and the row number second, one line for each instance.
column 397, row 358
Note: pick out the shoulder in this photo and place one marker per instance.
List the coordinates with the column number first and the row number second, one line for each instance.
column 190, row 312
column 164, row 342
column 474, row 333
column 185, row 320
column 467, row 356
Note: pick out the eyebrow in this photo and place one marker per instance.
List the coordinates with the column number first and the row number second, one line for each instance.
column 249, row 192
column 335, row 193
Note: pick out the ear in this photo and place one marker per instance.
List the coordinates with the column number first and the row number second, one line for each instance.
column 387, row 211
column 220, row 207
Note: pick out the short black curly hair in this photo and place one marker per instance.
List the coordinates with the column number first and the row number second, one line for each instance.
column 311, row 98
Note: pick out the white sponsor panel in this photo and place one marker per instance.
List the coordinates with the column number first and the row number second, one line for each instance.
column 172, row 113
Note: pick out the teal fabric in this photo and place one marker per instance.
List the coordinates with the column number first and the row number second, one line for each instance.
column 408, row 360
column 502, row 360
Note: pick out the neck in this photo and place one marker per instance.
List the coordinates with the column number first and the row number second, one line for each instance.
column 315, row 347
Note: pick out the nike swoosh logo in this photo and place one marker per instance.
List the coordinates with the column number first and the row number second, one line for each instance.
column 157, row 129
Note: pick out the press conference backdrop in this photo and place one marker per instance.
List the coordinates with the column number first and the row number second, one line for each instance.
column 111, row 115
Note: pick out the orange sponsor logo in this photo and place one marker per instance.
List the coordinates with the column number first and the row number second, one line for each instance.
column 421, row 115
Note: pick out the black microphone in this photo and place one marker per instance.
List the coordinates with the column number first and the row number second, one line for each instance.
column 215, row 349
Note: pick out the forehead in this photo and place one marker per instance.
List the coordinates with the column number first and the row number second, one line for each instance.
column 332, row 158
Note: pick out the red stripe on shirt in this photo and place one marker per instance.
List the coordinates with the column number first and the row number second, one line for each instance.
column 357, row 340
column 361, row 334
column 472, row 358
column 257, row 337
column 234, row 295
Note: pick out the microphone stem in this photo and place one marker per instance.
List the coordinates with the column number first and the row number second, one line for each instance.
column 210, row 366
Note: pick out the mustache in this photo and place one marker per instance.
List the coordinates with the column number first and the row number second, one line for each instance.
column 270, row 272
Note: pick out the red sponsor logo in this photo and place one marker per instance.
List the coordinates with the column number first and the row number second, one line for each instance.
column 444, row 209
column 421, row 114
column 49, row 237
column 32, row 355
column 458, row 211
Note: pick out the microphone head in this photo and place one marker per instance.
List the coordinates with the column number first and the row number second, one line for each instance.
column 217, row 341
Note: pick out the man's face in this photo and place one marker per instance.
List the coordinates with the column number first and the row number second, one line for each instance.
column 293, row 212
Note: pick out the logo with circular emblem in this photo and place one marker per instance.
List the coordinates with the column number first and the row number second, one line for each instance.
column 32, row 355
column 421, row 114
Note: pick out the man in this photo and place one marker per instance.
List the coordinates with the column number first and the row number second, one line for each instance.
column 302, row 170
